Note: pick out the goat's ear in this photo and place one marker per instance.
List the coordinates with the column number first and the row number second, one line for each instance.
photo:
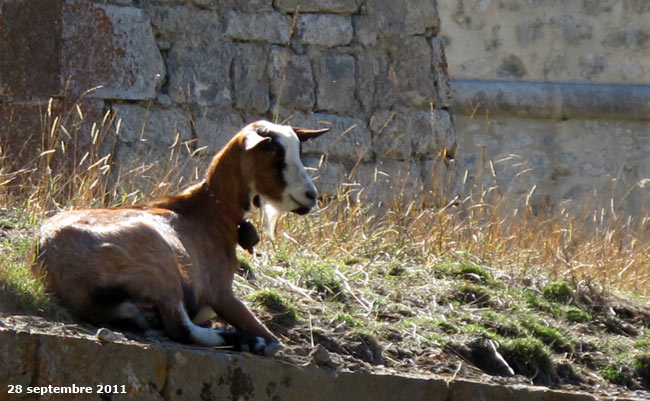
column 253, row 139
column 305, row 134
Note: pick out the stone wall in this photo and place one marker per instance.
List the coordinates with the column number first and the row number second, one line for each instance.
column 602, row 41
column 143, row 372
column 556, row 90
column 198, row 70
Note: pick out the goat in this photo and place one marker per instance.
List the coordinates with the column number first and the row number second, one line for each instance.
column 176, row 256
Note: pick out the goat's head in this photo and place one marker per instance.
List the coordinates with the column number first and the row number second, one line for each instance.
column 272, row 162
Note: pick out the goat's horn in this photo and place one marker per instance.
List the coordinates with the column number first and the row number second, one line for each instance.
column 305, row 134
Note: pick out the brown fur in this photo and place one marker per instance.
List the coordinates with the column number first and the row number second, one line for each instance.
column 152, row 249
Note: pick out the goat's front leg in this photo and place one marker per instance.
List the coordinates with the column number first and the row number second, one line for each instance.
column 237, row 314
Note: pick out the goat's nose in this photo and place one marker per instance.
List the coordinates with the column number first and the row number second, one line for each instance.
column 311, row 195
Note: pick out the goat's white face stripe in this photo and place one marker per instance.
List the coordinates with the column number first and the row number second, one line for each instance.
column 295, row 175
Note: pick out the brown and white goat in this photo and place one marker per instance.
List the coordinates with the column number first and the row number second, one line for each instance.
column 176, row 256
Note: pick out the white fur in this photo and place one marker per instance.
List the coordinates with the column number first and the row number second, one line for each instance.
column 295, row 175
column 201, row 335
column 271, row 216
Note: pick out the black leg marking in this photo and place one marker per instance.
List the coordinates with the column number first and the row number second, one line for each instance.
column 109, row 295
column 175, row 322
column 189, row 300
column 243, row 342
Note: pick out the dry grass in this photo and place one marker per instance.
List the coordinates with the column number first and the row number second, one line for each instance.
column 416, row 278
column 595, row 242
column 490, row 227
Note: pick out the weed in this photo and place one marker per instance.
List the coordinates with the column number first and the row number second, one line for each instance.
column 447, row 327
column 321, row 277
column 642, row 369
column 470, row 271
column 245, row 268
column 576, row 315
column 478, row 330
column 347, row 319
column 558, row 291
column 472, row 294
column 20, row 292
column 350, row 261
column 548, row 335
column 278, row 305
column 465, row 270
column 535, row 301
column 444, row 268
column 618, row 374
column 395, row 269
column 503, row 325
column 531, row 358
column 644, row 341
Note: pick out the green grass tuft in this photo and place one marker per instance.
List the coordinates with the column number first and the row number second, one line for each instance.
column 245, row 267
column 276, row 304
column 472, row 294
column 576, row 315
column 550, row 336
column 620, row 374
column 531, row 358
column 558, row 291
column 466, row 269
column 347, row 319
column 540, row 303
column 642, row 368
column 321, row 277
column 20, row 292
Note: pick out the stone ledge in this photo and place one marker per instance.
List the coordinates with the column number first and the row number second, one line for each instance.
column 554, row 100
column 188, row 373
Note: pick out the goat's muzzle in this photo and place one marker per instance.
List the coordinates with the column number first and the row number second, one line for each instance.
column 310, row 197
column 301, row 210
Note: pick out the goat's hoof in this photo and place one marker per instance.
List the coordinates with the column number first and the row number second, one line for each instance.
column 272, row 349
column 242, row 342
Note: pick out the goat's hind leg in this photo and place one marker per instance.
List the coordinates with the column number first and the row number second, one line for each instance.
column 113, row 303
column 180, row 327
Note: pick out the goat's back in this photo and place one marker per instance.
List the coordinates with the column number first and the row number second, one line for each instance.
column 83, row 253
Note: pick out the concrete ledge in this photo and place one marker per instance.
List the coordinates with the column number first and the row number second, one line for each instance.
column 143, row 372
column 551, row 100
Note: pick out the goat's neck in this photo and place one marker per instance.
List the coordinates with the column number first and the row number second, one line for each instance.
column 226, row 187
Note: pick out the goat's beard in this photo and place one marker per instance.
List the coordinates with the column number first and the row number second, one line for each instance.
column 271, row 216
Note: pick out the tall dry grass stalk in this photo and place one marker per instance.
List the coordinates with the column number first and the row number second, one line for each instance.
column 75, row 167
column 590, row 240
column 57, row 172
column 484, row 227
column 285, row 65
